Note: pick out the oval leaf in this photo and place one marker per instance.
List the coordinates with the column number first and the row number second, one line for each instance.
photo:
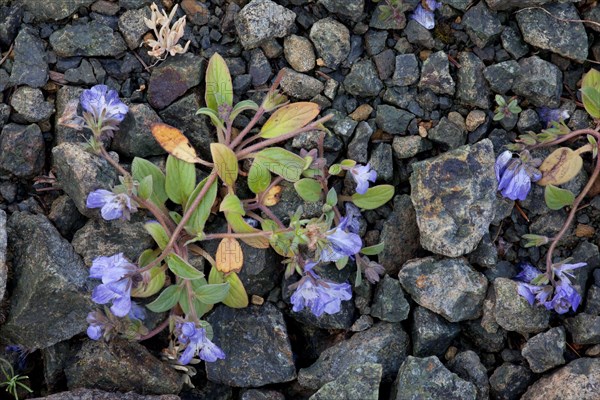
column 237, row 296
column 308, row 189
column 373, row 250
column 240, row 226
column 181, row 268
column 374, row 197
column 230, row 256
column 259, row 177
column 180, row 181
column 557, row 198
column 166, row 300
column 198, row 218
column 226, row 163
column 174, row 142
column 560, row 167
column 212, row 294
column 289, row 118
column 219, row 89
column 158, row 233
column 281, row 162
column 231, row 203
column 591, row 101
column 141, row 169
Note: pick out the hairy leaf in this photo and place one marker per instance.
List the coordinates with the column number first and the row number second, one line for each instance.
column 219, row 89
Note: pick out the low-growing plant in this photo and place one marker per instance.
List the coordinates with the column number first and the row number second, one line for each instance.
column 11, row 381
column 553, row 288
column 181, row 206
column 504, row 109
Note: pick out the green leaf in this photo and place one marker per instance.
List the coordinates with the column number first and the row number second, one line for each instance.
column 348, row 163
column 498, row 116
column 281, row 162
column 289, row 118
column 594, row 143
column 240, row 226
column 500, row 100
column 241, row 107
column 212, row 294
column 374, row 197
column 166, row 300
column 534, row 240
column 226, row 163
column 237, row 296
column 259, row 177
column 308, row 189
column 335, row 169
column 232, row 204
column 180, row 181
column 219, row 89
column 373, row 250
column 200, row 215
column 341, row 263
column 145, row 188
column 332, row 198
column 140, row 169
column 591, row 79
column 181, row 268
column 199, row 308
column 591, row 101
column 557, row 198
column 562, row 165
column 214, row 117
column 158, row 233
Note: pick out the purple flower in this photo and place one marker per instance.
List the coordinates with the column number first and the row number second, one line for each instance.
column 515, row 175
column 363, row 174
column 319, row 295
column 534, row 292
column 340, row 243
column 98, row 325
column 433, row 4
column 424, row 17
column 352, row 222
column 112, row 206
column 549, row 115
column 104, row 105
column 116, row 273
column 196, row 342
column 528, row 272
column 562, row 271
column 565, row 297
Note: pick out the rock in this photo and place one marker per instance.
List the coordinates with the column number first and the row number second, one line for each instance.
column 389, row 303
column 261, row 394
column 332, row 41
column 63, row 133
column 262, row 20
column 30, row 61
column 382, row 161
column 501, row 76
column 434, row 184
column 299, row 53
column 393, row 120
column 577, row 381
column 540, row 82
column 95, row 394
column 375, row 41
column 108, row 366
column 301, row 86
column 449, row 287
column 418, row 35
column 53, row 10
column 10, row 17
column 513, row 43
column 509, row 381
column 290, row 201
column 93, row 39
column 249, row 362
column 358, row 147
column 352, row 9
column 65, row 216
column 384, row 63
column 173, row 78
column 133, row 27
column 448, row 134
column 400, row 227
column 363, row 81
column 435, row 74
column 592, row 304
column 409, row 146
column 22, row 152
column 468, row 367
column 344, row 128
column 513, row 312
column 259, row 67
column 472, row 89
column 461, row 5
column 83, row 75
column 482, row 25
column 487, row 341
column 584, row 328
column 431, row 334
column 29, row 105
column 134, row 137
column 427, row 378
column 80, row 173
column 568, row 39
column 3, row 245
column 475, row 119
column 384, row 343
column 360, row 381
column 545, row 350
column 407, row 70
column 48, row 275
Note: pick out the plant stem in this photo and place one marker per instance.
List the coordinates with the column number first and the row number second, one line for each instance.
column 271, row 215
column 156, row 330
column 213, row 236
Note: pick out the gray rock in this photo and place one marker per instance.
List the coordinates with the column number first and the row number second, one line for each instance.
column 407, row 70
column 259, row 394
column 133, row 27
column 262, row 20
column 592, row 303
column 65, row 216
column 382, row 161
column 299, row 53
column 540, row 82
column 427, row 378
column 501, row 76
column 384, row 343
column 389, row 303
column 359, row 381
column 30, row 106
column 49, row 275
column 482, row 25
column 80, row 173
column 513, row 42
column 400, row 227
column 461, row 5
column 363, row 81
column 375, row 41
column 431, row 334
column 53, row 10
column 448, row 134
column 242, row 335
column 472, row 89
column 30, row 65
column 22, row 152
column 10, row 17
column 93, row 39
column 358, row 147
column 301, row 86
column 173, row 78
column 393, row 120
column 508, row 382
column 108, row 366
column 384, row 63
column 468, row 367
column 259, row 67
column 576, row 381
column 352, row 9
column 95, row 394
column 409, row 146
column 332, row 41
column 453, row 222
column 545, row 350
column 435, row 74
column 3, row 245
column 569, row 39
column 82, row 75
column 449, row 287
column 134, row 137
column 584, row 328
column 510, row 4
column 418, row 35
column 344, row 128
column 63, row 133
column 513, row 312
column 486, row 341
column 290, row 201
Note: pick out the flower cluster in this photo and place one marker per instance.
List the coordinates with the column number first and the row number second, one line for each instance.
column 112, row 206
column 556, row 293
column 117, row 275
column 515, row 175
column 195, row 340
column 166, row 36
column 424, row 13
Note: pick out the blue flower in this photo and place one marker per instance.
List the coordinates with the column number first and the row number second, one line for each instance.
column 515, row 175
column 562, row 271
column 104, row 109
column 424, row 17
column 549, row 115
column 565, row 297
column 98, row 325
column 112, row 206
column 319, row 295
column 196, row 342
column 339, row 243
column 528, row 272
column 433, row 4
column 352, row 222
column 534, row 292
column 116, row 273
column 363, row 174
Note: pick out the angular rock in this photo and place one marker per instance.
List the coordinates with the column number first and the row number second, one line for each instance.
column 30, row 61
column 540, row 82
column 63, row 133
column 358, row 147
column 454, row 196
column 54, row 10
column 82, row 75
column 173, row 78
column 389, row 303
column 468, row 367
column 482, row 25
column 431, row 334
column 407, row 70
column 568, row 39
column 384, row 63
column 29, row 105
column 384, row 343
column 545, row 350
column 363, row 81
column 332, row 41
column 393, row 120
column 259, row 67
column 513, row 312
column 352, row 9
column 10, row 17
column 509, row 381
column 250, row 362
column 513, row 42
column 134, row 137
column 435, row 74
column 262, row 20
column 49, row 275
column 472, row 89
column 409, row 146
column 418, row 35
column 22, row 152
column 382, row 161
column 584, row 328
column 449, row 287
column 400, row 227
column 301, row 86
column 95, row 394
column 93, row 39
column 487, row 341
column 448, row 134
column 501, row 76
column 360, row 381
column 427, row 378
column 133, row 27
column 299, row 53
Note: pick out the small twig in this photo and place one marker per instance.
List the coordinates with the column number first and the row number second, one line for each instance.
column 521, row 211
column 7, row 54
column 142, row 62
column 585, row 21
column 574, row 351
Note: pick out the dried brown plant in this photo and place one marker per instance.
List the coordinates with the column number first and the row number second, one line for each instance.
column 166, row 36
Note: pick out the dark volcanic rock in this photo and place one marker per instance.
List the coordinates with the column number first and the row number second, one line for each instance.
column 407, row 70
column 540, row 82
column 173, row 78
column 332, row 41
column 134, row 137
column 30, row 61
column 95, row 394
column 363, row 81
column 10, row 22
column 360, row 381
column 482, row 25
column 389, row 303
column 472, row 89
column 347, row 8
column 584, row 328
column 93, row 39
column 545, row 351
column 468, row 366
column 509, row 381
column 29, row 105
column 400, row 227
column 510, row 4
column 22, row 150
column 301, row 86
column 435, row 74
column 431, row 334
column 55, row 9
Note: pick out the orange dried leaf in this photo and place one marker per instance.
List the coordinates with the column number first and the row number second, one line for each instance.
column 230, row 256
column 560, row 167
column 174, row 142
column 273, row 196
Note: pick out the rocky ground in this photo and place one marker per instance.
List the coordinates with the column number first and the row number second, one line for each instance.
column 445, row 322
